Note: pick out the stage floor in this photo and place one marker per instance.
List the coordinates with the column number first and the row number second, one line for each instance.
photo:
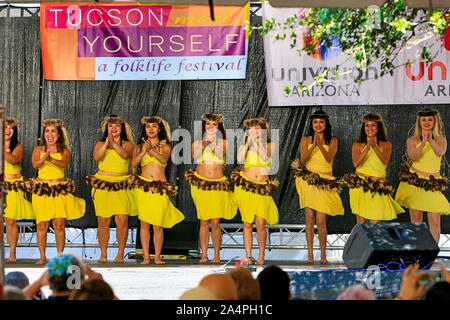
column 132, row 281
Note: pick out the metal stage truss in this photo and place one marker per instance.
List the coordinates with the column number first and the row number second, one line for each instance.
column 280, row 236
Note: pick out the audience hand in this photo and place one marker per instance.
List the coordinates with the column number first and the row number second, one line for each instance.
column 410, row 289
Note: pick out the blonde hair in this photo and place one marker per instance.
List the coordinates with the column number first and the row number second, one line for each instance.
column 438, row 128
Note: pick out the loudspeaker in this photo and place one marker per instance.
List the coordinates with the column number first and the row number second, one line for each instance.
column 179, row 239
column 390, row 244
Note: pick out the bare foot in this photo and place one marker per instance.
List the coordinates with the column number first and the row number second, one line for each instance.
column 260, row 262
column 12, row 260
column 118, row 259
column 103, row 260
column 323, row 261
column 310, row 260
column 249, row 260
column 146, row 261
column 204, row 260
column 42, row 261
column 159, row 261
column 215, row 260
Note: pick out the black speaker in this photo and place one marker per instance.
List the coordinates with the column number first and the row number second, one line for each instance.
column 389, row 244
column 179, row 239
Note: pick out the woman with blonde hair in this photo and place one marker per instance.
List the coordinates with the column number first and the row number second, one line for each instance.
column 370, row 192
column 151, row 188
column 110, row 184
column 253, row 188
column 316, row 186
column 17, row 205
column 210, row 188
column 53, row 194
column 421, row 184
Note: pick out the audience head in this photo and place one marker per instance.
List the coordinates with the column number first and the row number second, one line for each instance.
column 274, row 284
column 17, row 279
column 93, row 289
column 247, row 287
column 199, row 293
column 357, row 292
column 221, row 285
column 63, row 267
column 438, row 291
column 13, row 293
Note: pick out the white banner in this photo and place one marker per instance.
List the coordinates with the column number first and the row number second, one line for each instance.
column 409, row 84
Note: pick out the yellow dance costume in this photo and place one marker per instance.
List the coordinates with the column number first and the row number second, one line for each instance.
column 110, row 194
column 213, row 198
column 252, row 197
column 317, row 190
column 371, row 198
column 17, row 205
column 55, row 200
column 419, row 192
column 152, row 199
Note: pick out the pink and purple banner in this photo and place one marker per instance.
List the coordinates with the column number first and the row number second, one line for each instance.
column 132, row 41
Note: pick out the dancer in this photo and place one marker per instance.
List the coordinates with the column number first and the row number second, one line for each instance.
column 370, row 193
column 53, row 195
column 210, row 188
column 17, row 205
column 317, row 188
column 151, row 189
column 421, row 184
column 110, row 184
column 253, row 188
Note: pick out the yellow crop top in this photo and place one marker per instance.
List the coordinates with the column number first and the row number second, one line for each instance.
column 252, row 159
column 428, row 161
column 146, row 159
column 372, row 165
column 12, row 168
column 49, row 171
column 317, row 162
column 113, row 162
column 210, row 156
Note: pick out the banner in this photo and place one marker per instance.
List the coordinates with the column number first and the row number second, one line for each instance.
column 414, row 83
column 134, row 41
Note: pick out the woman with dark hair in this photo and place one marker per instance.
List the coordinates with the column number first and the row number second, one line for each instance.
column 210, row 188
column 151, row 189
column 17, row 205
column 421, row 184
column 53, row 195
column 253, row 188
column 370, row 193
column 317, row 188
column 110, row 184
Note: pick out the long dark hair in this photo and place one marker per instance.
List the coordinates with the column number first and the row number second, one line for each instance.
column 381, row 129
column 162, row 135
column 14, row 140
column 328, row 132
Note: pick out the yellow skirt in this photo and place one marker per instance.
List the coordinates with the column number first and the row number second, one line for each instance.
column 17, row 205
column 416, row 198
column 373, row 205
column 213, row 204
column 252, row 204
column 318, row 199
column 65, row 206
column 110, row 203
column 155, row 208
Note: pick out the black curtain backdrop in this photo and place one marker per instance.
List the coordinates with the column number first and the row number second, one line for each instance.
column 83, row 104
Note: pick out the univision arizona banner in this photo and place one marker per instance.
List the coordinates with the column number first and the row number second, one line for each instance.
column 133, row 41
column 414, row 83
